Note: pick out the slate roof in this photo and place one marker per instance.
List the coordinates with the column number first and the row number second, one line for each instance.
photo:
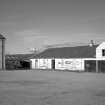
column 2, row 37
column 68, row 52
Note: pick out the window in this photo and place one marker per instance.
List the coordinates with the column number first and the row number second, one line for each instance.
column 103, row 52
column 68, row 62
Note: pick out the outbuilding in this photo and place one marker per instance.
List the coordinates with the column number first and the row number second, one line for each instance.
column 89, row 58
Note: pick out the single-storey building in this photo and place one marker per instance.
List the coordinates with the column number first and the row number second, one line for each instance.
column 2, row 52
column 79, row 58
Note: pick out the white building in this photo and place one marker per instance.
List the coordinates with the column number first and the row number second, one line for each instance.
column 80, row 58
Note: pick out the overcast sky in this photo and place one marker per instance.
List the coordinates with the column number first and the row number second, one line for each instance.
column 30, row 24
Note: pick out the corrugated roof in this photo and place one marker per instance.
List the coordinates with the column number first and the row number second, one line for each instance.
column 68, row 52
column 2, row 37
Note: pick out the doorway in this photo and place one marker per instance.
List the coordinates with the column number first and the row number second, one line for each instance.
column 53, row 64
column 90, row 66
column 25, row 64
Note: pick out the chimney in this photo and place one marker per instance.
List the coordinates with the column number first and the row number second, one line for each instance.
column 91, row 43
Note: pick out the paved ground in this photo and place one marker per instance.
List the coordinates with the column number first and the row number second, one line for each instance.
column 51, row 88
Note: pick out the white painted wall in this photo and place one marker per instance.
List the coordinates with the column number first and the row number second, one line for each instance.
column 44, row 63
column 99, row 51
column 41, row 63
column 69, row 64
column 32, row 63
column 75, row 64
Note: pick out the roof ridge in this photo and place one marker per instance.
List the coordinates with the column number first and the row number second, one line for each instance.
column 71, row 46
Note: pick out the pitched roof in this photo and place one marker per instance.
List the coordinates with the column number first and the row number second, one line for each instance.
column 2, row 37
column 68, row 52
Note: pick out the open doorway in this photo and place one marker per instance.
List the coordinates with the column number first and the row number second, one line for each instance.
column 25, row 64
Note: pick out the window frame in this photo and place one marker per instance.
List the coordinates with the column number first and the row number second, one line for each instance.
column 103, row 52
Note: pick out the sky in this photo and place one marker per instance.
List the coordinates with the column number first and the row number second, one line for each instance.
column 29, row 24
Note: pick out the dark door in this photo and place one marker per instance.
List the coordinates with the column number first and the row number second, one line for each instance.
column 25, row 64
column 53, row 64
column 90, row 65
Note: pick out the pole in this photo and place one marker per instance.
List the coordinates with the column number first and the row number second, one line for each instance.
column 96, row 66
column 3, row 54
